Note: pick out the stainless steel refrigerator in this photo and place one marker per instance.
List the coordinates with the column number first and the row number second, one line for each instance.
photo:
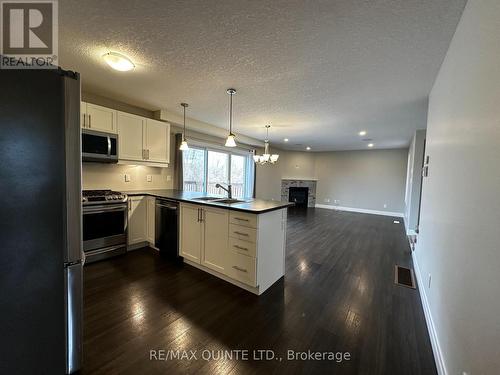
column 40, row 222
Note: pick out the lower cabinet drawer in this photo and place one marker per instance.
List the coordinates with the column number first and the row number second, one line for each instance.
column 243, row 218
column 242, row 247
column 243, row 233
column 242, row 268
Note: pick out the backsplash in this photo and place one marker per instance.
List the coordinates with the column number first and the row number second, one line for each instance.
column 112, row 176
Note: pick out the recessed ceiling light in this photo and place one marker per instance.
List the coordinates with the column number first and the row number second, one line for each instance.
column 370, row 144
column 362, row 133
column 285, row 140
column 118, row 61
column 308, row 148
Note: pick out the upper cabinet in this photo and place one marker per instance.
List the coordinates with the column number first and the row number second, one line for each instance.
column 142, row 139
column 157, row 141
column 99, row 118
column 130, row 136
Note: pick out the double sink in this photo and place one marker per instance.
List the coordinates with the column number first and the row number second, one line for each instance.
column 219, row 200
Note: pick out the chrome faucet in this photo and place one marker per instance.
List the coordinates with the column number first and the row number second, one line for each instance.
column 229, row 190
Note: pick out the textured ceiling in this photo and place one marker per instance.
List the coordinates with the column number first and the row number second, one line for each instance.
column 318, row 71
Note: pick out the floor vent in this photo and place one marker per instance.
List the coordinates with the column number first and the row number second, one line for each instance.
column 404, row 276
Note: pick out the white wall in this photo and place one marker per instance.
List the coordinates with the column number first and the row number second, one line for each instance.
column 358, row 179
column 367, row 179
column 460, row 219
column 298, row 165
column 111, row 176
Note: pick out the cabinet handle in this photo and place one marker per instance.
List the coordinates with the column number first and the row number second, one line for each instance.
column 84, row 120
column 90, row 121
column 240, row 269
column 240, row 247
column 239, row 218
column 241, row 234
column 148, row 153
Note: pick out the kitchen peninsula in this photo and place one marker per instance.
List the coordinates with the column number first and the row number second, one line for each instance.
column 239, row 240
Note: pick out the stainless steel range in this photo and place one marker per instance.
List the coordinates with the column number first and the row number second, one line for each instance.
column 104, row 224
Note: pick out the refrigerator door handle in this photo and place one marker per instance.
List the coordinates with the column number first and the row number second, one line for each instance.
column 73, row 310
column 73, row 171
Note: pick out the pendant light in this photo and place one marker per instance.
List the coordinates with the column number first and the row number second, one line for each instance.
column 184, row 144
column 230, row 142
column 266, row 158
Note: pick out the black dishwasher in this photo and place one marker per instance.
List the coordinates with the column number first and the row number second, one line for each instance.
column 167, row 228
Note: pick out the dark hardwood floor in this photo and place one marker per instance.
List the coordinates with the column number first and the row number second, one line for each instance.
column 338, row 295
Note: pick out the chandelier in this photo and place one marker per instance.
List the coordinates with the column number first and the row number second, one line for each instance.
column 266, row 158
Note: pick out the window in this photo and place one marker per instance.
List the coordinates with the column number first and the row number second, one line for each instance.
column 204, row 168
column 238, row 175
column 217, row 171
column 193, row 166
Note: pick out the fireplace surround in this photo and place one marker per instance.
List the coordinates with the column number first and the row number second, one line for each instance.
column 286, row 184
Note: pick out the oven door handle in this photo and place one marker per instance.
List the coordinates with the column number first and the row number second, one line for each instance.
column 99, row 210
column 167, row 207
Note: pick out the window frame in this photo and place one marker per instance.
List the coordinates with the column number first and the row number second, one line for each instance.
column 248, row 172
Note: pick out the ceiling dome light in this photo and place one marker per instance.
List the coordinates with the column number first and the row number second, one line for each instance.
column 370, row 145
column 362, row 133
column 230, row 142
column 308, row 148
column 266, row 158
column 118, row 61
column 184, row 145
column 285, row 140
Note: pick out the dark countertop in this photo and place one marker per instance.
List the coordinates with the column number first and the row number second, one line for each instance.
column 255, row 206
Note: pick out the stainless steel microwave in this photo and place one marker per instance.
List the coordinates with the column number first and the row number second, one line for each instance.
column 99, row 146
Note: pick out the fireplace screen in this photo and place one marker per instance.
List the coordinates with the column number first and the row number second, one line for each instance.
column 298, row 195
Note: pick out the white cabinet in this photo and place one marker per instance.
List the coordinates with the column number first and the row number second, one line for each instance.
column 98, row 118
column 191, row 232
column 157, row 141
column 143, row 140
column 243, row 248
column 215, row 238
column 130, row 136
column 204, row 235
column 137, row 220
column 151, row 206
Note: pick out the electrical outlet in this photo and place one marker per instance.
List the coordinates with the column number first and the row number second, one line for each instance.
column 149, row 178
column 336, row 201
column 127, row 177
column 385, row 205
column 430, row 278
column 327, row 200
column 169, row 178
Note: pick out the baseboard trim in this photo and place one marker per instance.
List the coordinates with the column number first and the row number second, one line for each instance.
column 360, row 210
column 436, row 348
